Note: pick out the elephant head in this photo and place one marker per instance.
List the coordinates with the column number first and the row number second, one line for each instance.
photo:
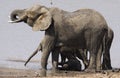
column 38, row 17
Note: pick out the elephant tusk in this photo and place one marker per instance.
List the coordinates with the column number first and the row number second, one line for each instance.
column 19, row 20
column 12, row 21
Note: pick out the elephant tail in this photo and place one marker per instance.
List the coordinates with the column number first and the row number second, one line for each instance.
column 34, row 53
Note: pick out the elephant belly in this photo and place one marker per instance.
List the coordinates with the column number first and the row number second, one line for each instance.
column 73, row 43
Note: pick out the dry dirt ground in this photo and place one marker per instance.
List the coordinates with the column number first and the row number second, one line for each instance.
column 22, row 73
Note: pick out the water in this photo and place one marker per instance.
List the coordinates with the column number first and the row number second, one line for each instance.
column 18, row 63
column 12, row 64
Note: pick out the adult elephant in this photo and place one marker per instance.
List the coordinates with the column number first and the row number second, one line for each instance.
column 81, row 54
column 81, row 29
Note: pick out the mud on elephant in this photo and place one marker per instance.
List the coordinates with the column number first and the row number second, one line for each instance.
column 81, row 29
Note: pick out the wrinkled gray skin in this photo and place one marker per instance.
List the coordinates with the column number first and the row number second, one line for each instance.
column 81, row 29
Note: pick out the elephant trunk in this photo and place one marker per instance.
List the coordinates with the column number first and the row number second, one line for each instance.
column 17, row 16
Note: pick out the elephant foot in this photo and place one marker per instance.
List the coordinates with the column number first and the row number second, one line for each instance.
column 110, row 68
column 90, row 70
column 99, row 69
column 42, row 73
column 54, row 70
column 107, row 68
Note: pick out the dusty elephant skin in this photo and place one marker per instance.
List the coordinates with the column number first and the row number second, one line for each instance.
column 81, row 29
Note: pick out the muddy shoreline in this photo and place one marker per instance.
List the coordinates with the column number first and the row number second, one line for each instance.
column 28, row 73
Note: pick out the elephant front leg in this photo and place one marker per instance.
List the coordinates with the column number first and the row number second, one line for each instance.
column 44, row 59
column 98, row 60
column 106, row 65
column 47, row 47
column 55, row 56
column 92, row 64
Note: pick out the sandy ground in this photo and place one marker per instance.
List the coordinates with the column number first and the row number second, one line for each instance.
column 23, row 73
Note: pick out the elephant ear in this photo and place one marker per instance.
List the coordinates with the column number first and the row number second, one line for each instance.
column 42, row 19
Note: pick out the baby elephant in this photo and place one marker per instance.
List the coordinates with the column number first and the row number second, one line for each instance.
column 73, row 64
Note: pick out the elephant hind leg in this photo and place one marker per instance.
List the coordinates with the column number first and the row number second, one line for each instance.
column 96, row 40
column 98, row 60
column 106, row 65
